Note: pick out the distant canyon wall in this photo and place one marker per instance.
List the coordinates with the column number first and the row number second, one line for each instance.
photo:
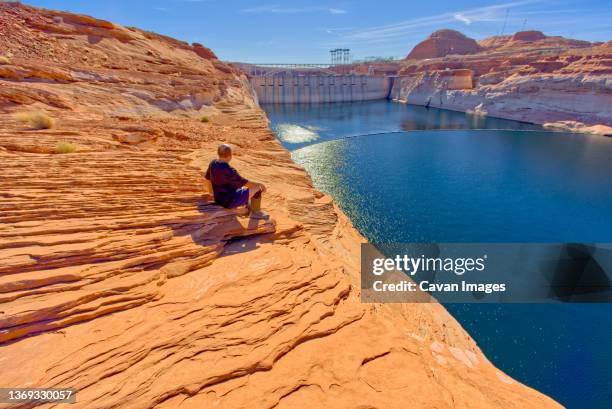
column 287, row 89
column 575, row 102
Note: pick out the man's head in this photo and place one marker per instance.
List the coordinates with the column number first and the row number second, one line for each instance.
column 225, row 152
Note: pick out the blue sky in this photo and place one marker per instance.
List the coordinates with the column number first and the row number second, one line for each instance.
column 304, row 31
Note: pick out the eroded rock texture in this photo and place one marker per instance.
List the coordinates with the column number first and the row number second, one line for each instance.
column 442, row 43
column 120, row 278
column 531, row 77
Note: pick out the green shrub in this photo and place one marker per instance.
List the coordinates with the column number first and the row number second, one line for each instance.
column 65, row 147
column 36, row 119
column 204, row 119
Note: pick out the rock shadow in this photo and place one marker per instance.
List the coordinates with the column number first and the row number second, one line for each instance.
column 93, row 39
column 229, row 226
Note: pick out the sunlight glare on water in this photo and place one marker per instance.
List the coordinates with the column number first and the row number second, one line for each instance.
column 296, row 134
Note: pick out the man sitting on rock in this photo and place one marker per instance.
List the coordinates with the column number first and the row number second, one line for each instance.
column 232, row 190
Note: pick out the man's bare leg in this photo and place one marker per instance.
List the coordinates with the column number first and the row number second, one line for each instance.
column 255, row 205
column 256, row 190
column 256, row 202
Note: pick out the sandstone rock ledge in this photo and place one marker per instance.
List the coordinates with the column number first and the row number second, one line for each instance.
column 120, row 278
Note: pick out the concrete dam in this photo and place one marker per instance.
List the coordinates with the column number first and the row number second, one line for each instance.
column 286, row 88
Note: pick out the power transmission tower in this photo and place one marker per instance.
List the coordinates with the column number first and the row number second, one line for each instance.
column 505, row 21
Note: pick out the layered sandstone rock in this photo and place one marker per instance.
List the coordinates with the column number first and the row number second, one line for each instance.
column 531, row 39
column 442, row 43
column 119, row 277
column 544, row 99
column 528, row 77
column 530, row 36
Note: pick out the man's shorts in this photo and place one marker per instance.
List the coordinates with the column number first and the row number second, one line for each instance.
column 241, row 198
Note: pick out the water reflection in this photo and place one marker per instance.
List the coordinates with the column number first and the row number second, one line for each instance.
column 357, row 118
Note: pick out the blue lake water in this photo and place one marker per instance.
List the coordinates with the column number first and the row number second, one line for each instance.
column 461, row 178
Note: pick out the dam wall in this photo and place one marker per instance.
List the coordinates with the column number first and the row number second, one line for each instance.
column 286, row 88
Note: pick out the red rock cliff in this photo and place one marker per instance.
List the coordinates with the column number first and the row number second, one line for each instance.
column 120, row 278
column 442, row 43
column 528, row 76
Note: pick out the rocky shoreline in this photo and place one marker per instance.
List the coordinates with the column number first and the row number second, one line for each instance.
column 566, row 102
column 530, row 77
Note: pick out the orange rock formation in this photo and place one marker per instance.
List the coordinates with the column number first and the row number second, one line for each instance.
column 528, row 76
column 120, row 278
column 442, row 43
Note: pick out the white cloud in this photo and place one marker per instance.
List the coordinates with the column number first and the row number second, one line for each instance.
column 463, row 19
column 404, row 28
column 273, row 8
column 336, row 30
column 336, row 11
